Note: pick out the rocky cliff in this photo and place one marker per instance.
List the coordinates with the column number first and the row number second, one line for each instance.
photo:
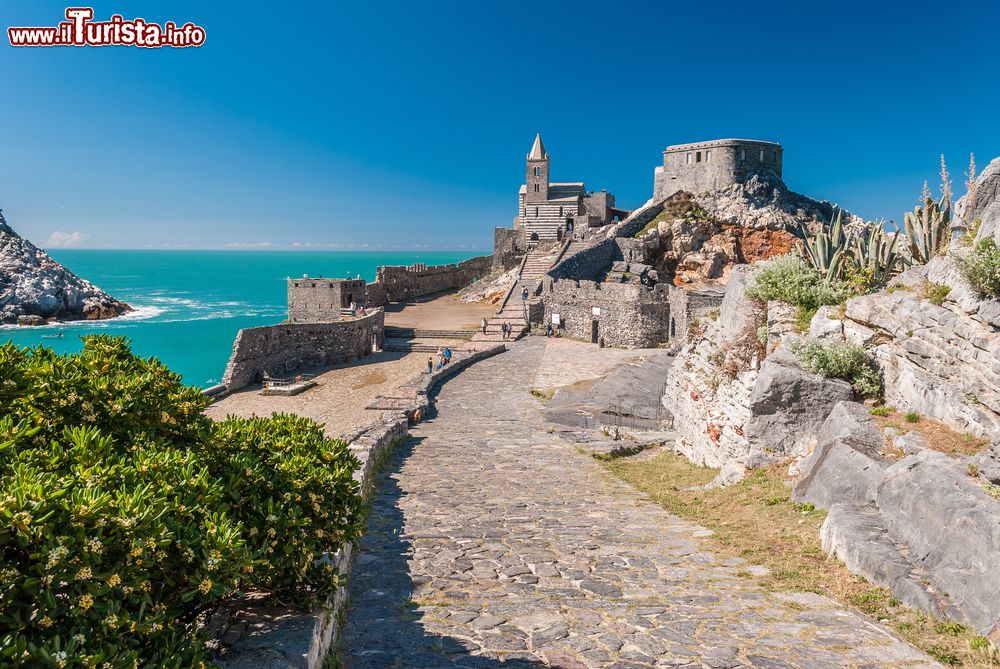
column 34, row 287
column 700, row 237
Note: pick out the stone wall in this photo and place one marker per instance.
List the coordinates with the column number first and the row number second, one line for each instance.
column 508, row 247
column 711, row 166
column 279, row 350
column 688, row 305
column 396, row 284
column 618, row 314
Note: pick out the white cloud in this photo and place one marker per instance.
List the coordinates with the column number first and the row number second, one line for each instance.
column 64, row 240
column 248, row 245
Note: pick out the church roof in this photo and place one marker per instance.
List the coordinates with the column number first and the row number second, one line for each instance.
column 537, row 149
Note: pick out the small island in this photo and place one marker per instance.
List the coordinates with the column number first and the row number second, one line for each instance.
column 35, row 289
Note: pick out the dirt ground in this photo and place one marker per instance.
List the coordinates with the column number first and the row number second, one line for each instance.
column 344, row 390
column 438, row 312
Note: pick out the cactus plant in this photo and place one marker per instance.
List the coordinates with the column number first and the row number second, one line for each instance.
column 826, row 251
column 875, row 256
column 927, row 229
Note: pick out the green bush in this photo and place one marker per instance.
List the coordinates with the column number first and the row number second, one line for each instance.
column 840, row 361
column 981, row 268
column 293, row 488
column 791, row 280
column 118, row 526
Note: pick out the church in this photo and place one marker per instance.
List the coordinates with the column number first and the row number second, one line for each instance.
column 546, row 210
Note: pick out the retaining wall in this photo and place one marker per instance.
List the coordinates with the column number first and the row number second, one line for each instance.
column 281, row 349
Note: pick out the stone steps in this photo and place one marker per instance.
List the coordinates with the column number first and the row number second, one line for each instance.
column 393, row 332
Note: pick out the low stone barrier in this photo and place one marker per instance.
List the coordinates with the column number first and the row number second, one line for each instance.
column 251, row 635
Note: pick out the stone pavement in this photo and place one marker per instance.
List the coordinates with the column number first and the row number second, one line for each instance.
column 494, row 543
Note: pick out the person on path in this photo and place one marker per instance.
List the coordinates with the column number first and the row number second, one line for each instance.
column 483, row 325
column 430, row 364
column 524, row 294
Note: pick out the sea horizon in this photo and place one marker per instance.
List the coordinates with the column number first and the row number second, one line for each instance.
column 190, row 303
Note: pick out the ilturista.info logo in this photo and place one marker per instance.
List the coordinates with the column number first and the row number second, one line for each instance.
column 80, row 29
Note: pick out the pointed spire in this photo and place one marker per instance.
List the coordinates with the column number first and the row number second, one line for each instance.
column 537, row 149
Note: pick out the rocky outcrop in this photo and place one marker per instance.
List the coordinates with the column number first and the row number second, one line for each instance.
column 787, row 406
column 763, row 202
column 34, row 287
column 986, row 204
column 735, row 409
column 700, row 237
column 919, row 525
column 941, row 361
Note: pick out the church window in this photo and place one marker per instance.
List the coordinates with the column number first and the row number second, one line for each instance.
column 708, row 156
column 743, row 154
column 697, row 157
column 689, row 158
column 536, row 212
column 538, row 171
column 536, row 188
column 762, row 155
column 560, row 211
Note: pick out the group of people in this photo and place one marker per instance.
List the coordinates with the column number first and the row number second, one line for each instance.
column 506, row 329
column 443, row 357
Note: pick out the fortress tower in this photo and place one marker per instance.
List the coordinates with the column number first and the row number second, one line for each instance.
column 710, row 166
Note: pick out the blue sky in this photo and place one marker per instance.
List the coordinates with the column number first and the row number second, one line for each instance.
column 405, row 124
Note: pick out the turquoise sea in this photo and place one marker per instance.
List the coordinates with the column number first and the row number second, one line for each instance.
column 190, row 304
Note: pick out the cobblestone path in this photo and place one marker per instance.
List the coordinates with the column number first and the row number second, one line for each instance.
column 494, row 543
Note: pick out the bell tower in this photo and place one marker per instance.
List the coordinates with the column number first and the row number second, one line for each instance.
column 537, row 181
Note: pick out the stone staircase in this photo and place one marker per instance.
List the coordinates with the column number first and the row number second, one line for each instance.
column 512, row 309
column 407, row 340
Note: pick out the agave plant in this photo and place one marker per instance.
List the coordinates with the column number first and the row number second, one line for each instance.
column 875, row 255
column 826, row 251
column 927, row 229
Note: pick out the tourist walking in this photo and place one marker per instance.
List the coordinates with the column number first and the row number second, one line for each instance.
column 524, row 294
column 430, row 364
column 483, row 325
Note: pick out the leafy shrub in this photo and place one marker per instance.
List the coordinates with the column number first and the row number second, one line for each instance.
column 883, row 411
column 912, row 417
column 981, row 268
column 293, row 489
column 791, row 280
column 840, row 361
column 118, row 526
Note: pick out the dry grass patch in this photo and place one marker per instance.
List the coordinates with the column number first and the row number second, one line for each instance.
column 939, row 436
column 757, row 520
